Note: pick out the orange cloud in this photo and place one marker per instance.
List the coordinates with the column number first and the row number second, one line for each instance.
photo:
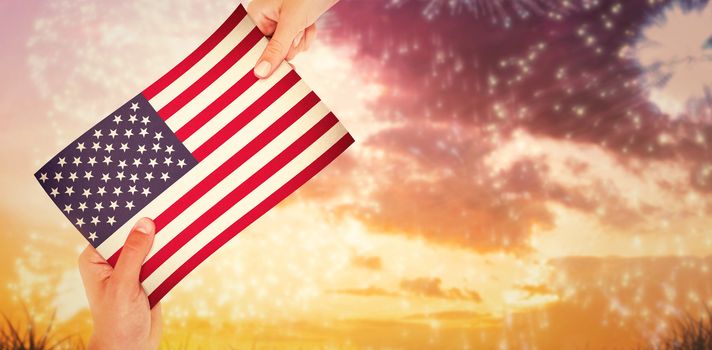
column 367, row 262
column 431, row 287
column 366, row 292
column 538, row 289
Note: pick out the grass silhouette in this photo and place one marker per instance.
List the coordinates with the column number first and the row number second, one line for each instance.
column 28, row 336
column 689, row 333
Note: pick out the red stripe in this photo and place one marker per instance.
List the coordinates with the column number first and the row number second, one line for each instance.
column 246, row 116
column 211, row 75
column 265, row 137
column 202, row 50
column 237, row 194
column 239, row 158
column 216, row 106
column 250, row 217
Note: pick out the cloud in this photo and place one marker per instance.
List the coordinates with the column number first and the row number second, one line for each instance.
column 431, row 287
column 367, row 262
column 367, row 292
column 453, row 102
column 536, row 289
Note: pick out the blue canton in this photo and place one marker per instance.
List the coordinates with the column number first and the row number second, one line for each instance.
column 107, row 175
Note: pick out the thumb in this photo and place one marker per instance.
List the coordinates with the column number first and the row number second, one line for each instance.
column 137, row 245
column 277, row 48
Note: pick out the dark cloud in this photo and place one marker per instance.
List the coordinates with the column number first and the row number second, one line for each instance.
column 539, row 71
column 456, row 86
column 450, row 195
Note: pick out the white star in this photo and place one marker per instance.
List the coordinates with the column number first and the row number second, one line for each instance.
column 134, row 106
column 98, row 206
column 117, row 119
column 43, row 177
column 149, row 176
column 181, row 163
column 117, row 191
column 62, row 162
column 92, row 161
column 132, row 189
column 95, row 146
column 80, row 222
column 109, row 147
column 55, row 192
column 128, row 133
column 158, row 136
column 88, row 175
column 101, row 191
column 82, row 206
column 134, row 178
column 69, row 190
column 97, row 134
column 145, row 192
column 80, row 146
column 129, row 205
column 77, row 161
column 145, row 121
column 132, row 118
column 169, row 149
column 92, row 236
column 107, row 160
column 86, row 193
column 141, row 149
column 113, row 205
column 167, row 161
column 67, row 208
column 94, row 220
column 124, row 147
column 137, row 162
column 156, row 147
column 143, row 132
column 113, row 133
column 122, row 164
column 120, row 175
column 58, row 176
column 111, row 221
column 165, row 177
column 152, row 162
column 105, row 178
column 73, row 176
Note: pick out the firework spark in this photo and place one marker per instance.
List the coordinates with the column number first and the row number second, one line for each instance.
column 503, row 12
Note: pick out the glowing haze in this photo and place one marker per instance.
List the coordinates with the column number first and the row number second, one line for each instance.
column 527, row 174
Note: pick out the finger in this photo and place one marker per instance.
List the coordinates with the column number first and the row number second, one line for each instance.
column 134, row 251
column 277, row 48
column 258, row 12
column 156, row 326
column 94, row 270
column 297, row 46
column 309, row 36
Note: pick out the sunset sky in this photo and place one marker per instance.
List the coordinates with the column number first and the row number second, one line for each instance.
column 526, row 174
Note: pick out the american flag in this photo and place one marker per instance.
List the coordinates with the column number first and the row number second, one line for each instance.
column 205, row 151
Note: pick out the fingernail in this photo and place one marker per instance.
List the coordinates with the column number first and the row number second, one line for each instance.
column 297, row 39
column 262, row 69
column 144, row 225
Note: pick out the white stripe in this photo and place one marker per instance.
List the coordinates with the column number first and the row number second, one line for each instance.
column 243, row 66
column 241, row 103
column 208, row 61
column 206, row 166
column 237, row 177
column 241, row 208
